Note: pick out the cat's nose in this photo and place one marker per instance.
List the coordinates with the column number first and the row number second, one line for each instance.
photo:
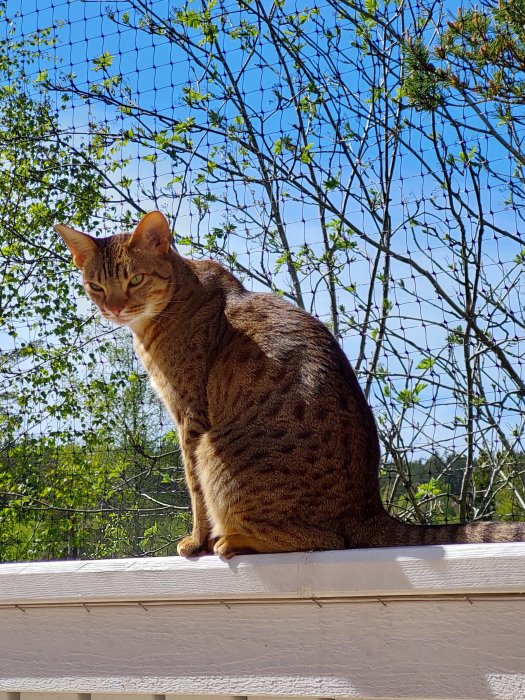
column 115, row 309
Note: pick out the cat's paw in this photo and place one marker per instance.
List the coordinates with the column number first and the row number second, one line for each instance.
column 190, row 546
column 230, row 545
column 224, row 548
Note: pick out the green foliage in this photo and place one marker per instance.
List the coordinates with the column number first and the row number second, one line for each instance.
column 426, row 363
column 422, row 85
column 488, row 40
column 76, row 500
column 480, row 54
column 103, row 61
column 114, row 491
column 67, row 489
column 409, row 397
column 435, row 485
column 41, row 181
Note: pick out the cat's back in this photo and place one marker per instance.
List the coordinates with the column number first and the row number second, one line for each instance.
column 286, row 336
column 264, row 322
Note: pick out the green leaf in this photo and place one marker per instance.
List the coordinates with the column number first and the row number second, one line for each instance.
column 331, row 183
column 305, row 155
column 426, row 363
column 102, row 62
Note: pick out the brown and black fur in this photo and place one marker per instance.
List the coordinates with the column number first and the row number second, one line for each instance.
column 280, row 447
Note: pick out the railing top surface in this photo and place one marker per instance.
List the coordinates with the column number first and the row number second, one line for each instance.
column 448, row 570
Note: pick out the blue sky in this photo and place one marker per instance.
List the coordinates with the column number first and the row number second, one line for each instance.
column 156, row 71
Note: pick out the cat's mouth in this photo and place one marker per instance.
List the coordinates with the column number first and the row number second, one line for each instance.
column 127, row 316
column 121, row 319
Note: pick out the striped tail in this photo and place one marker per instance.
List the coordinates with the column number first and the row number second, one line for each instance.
column 386, row 531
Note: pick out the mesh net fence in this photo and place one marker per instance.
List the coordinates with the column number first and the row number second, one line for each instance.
column 364, row 160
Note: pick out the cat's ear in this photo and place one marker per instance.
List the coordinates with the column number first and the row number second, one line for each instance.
column 81, row 245
column 152, row 234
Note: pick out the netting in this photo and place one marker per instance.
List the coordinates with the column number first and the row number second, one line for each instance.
column 363, row 160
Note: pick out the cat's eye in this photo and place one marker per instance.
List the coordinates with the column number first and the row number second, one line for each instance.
column 135, row 281
column 94, row 287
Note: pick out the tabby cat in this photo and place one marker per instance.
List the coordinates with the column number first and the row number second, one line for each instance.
column 279, row 445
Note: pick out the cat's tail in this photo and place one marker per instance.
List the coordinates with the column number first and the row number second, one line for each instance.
column 385, row 531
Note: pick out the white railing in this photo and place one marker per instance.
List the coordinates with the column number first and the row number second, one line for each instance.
column 443, row 622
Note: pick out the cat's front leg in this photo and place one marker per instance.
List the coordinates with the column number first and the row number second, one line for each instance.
column 200, row 541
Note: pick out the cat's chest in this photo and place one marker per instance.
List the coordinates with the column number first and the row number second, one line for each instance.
column 177, row 374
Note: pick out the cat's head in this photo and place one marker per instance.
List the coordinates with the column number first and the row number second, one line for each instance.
column 129, row 276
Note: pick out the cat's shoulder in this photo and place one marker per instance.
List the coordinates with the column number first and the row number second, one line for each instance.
column 264, row 314
column 212, row 274
column 250, row 310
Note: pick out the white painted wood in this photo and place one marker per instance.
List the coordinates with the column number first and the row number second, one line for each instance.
column 436, row 623
column 408, row 571
column 55, row 696
column 413, row 649
column 123, row 696
column 120, row 696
